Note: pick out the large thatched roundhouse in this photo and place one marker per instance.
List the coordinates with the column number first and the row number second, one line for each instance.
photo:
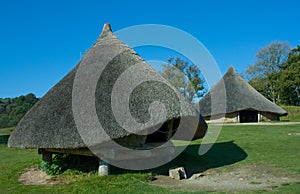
column 243, row 102
column 50, row 125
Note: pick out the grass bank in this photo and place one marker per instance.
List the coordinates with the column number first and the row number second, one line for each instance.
column 294, row 114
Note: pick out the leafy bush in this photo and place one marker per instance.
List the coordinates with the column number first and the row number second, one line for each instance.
column 69, row 162
column 50, row 169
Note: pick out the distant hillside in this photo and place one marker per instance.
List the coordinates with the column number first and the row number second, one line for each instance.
column 13, row 109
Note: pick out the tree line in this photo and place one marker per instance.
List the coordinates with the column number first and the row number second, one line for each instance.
column 13, row 109
column 276, row 73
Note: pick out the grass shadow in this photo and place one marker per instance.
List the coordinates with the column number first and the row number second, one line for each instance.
column 221, row 154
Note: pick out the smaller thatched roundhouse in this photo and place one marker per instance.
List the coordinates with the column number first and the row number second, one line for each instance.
column 243, row 102
column 50, row 125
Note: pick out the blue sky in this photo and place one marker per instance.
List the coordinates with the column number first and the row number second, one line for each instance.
column 41, row 41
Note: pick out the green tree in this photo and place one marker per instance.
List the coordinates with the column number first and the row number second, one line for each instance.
column 289, row 85
column 269, row 63
column 186, row 77
column 13, row 109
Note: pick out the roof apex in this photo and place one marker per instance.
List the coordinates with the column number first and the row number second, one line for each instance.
column 231, row 69
column 106, row 28
column 106, row 31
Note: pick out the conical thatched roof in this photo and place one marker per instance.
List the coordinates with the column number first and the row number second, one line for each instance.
column 50, row 123
column 239, row 96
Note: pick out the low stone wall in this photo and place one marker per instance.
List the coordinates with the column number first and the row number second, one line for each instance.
column 229, row 118
column 234, row 117
column 267, row 116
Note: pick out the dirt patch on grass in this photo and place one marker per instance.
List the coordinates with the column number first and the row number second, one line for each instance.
column 242, row 178
column 33, row 176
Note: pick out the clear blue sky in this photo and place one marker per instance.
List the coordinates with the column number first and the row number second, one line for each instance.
column 41, row 41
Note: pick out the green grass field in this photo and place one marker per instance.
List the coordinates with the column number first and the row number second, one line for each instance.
column 276, row 146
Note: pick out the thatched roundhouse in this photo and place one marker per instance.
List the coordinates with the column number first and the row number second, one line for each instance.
column 243, row 102
column 50, row 124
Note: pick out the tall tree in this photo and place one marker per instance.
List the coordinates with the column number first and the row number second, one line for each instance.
column 269, row 62
column 289, row 85
column 186, row 77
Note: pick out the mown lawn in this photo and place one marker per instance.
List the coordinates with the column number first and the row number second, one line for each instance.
column 276, row 146
column 14, row 161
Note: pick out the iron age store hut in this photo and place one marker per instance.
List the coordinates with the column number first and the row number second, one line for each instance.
column 243, row 102
column 63, row 121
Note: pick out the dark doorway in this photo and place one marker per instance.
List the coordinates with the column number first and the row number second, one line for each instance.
column 163, row 134
column 159, row 135
column 248, row 116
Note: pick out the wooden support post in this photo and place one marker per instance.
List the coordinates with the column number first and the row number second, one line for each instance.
column 103, row 169
column 47, row 157
column 170, row 129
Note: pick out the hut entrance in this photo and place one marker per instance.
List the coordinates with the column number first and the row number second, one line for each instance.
column 248, row 116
